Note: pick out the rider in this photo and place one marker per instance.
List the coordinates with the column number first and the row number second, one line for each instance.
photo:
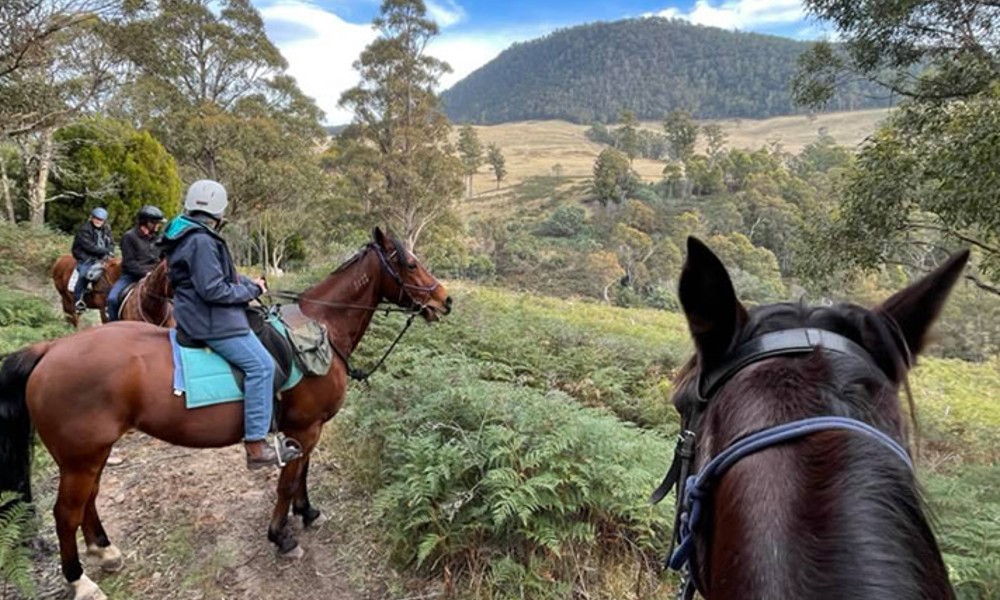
column 210, row 301
column 140, row 254
column 93, row 243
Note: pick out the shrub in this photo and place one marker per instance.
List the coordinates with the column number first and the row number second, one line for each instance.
column 519, row 489
column 26, row 319
column 565, row 221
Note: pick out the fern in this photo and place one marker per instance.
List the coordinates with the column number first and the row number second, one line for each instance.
column 15, row 559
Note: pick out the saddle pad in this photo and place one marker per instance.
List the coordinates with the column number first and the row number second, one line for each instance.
column 71, row 284
column 205, row 378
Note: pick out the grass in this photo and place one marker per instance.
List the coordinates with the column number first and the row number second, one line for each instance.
column 532, row 148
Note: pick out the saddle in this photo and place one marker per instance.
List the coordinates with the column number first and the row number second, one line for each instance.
column 276, row 343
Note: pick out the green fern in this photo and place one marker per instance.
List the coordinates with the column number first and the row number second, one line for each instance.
column 15, row 559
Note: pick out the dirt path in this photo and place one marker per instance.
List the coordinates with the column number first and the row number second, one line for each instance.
column 192, row 525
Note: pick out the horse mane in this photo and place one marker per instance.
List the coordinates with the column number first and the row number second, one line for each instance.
column 398, row 245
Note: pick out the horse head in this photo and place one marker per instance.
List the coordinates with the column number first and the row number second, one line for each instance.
column 800, row 408
column 405, row 281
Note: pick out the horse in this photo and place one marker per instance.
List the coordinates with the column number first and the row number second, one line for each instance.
column 81, row 401
column 149, row 299
column 96, row 297
column 792, row 472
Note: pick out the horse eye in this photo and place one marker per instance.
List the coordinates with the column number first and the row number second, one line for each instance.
column 412, row 266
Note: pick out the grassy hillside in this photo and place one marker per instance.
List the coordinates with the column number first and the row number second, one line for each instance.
column 533, row 148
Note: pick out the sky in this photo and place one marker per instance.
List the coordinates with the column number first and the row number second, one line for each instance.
column 321, row 39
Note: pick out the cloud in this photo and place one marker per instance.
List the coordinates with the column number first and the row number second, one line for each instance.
column 445, row 13
column 320, row 57
column 321, row 47
column 739, row 14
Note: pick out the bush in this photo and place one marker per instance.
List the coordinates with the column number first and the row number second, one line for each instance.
column 565, row 221
column 520, row 490
column 26, row 319
column 15, row 558
column 28, row 250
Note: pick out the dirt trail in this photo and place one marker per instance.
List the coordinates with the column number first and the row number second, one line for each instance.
column 192, row 525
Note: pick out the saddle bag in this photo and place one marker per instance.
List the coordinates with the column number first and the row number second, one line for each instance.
column 95, row 271
column 311, row 346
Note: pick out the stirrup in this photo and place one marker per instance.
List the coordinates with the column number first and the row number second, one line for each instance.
column 286, row 449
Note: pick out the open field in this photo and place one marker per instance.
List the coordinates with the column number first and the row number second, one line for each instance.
column 532, row 148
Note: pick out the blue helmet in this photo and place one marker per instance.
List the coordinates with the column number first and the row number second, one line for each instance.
column 99, row 213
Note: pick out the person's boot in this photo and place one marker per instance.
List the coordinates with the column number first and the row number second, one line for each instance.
column 260, row 454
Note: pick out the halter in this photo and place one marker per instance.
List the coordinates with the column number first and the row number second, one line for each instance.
column 693, row 491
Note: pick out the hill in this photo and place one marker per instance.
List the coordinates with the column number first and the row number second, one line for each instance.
column 651, row 66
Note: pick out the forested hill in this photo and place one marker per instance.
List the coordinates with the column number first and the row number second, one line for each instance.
column 650, row 65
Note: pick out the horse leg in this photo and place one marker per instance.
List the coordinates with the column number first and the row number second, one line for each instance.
column 75, row 490
column 300, row 503
column 288, row 485
column 69, row 309
column 98, row 544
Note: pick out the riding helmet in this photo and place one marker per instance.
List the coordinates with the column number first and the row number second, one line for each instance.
column 206, row 196
column 150, row 213
column 99, row 213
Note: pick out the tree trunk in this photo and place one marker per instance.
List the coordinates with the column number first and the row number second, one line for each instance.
column 8, row 202
column 39, row 179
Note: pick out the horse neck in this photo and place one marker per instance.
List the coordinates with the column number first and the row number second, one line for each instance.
column 836, row 506
column 153, row 293
column 358, row 285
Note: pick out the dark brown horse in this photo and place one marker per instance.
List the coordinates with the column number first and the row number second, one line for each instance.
column 82, row 401
column 149, row 300
column 97, row 297
column 830, row 512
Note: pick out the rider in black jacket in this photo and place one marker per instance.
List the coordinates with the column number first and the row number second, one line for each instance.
column 93, row 243
column 140, row 254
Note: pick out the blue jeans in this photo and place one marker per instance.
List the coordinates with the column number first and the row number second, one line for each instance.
column 246, row 352
column 114, row 296
column 81, row 278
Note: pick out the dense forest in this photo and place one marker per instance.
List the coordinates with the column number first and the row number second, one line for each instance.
column 650, row 66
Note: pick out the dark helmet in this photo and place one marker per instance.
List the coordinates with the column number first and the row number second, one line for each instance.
column 150, row 213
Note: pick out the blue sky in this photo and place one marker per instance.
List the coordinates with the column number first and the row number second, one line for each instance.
column 322, row 38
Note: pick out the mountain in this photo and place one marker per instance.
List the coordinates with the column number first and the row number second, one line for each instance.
column 650, row 65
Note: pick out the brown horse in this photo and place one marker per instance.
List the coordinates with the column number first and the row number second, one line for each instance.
column 97, row 297
column 82, row 401
column 149, row 300
column 792, row 422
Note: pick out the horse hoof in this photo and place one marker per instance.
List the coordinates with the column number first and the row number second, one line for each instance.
column 316, row 522
column 85, row 589
column 294, row 554
column 109, row 557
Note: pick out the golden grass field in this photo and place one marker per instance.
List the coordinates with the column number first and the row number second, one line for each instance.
column 532, row 148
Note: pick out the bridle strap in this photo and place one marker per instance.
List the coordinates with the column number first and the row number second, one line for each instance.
column 778, row 343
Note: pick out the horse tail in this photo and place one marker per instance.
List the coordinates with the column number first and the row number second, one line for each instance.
column 16, row 432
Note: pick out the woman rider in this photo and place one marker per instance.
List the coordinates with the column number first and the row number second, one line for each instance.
column 210, row 302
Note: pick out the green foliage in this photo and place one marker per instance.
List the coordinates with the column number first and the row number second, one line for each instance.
column 15, row 556
column 25, row 319
column 495, row 157
column 565, row 221
column 613, row 177
column 649, row 66
column 108, row 163
column 470, row 149
column 27, row 249
column 486, row 478
column 682, row 134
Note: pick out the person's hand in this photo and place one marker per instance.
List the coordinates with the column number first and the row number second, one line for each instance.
column 262, row 284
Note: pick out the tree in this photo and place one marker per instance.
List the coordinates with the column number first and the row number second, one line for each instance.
column 470, row 149
column 558, row 170
column 682, row 134
column 497, row 162
column 927, row 181
column 628, row 135
column 396, row 112
column 108, row 163
column 613, row 179
column 716, row 139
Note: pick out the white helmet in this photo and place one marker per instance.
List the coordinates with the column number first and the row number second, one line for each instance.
column 206, row 196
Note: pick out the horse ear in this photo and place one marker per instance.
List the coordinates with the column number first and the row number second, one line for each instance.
column 378, row 236
column 916, row 307
column 713, row 312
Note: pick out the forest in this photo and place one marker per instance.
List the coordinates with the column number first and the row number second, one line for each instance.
column 649, row 66
column 507, row 452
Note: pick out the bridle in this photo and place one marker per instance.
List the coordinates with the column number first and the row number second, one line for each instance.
column 414, row 308
column 693, row 492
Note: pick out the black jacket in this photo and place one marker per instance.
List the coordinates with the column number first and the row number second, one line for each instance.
column 140, row 254
column 92, row 243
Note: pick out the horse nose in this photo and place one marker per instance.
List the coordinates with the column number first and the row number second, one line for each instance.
column 447, row 305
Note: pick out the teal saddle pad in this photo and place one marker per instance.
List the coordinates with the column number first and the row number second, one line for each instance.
column 205, row 378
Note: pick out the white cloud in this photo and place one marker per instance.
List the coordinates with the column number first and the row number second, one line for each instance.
column 321, row 58
column 321, row 62
column 739, row 14
column 445, row 13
